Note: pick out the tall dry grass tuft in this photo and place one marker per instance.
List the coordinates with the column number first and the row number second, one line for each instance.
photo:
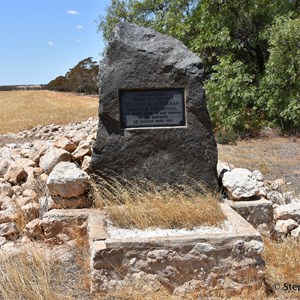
column 282, row 266
column 143, row 204
column 27, row 276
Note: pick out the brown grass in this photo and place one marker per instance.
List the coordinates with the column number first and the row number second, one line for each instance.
column 142, row 204
column 22, row 110
column 275, row 158
column 28, row 276
column 141, row 290
column 282, row 266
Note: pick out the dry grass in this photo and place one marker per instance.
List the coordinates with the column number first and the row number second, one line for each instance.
column 142, row 204
column 83, row 254
column 28, row 276
column 22, row 110
column 275, row 158
column 141, row 290
column 282, row 266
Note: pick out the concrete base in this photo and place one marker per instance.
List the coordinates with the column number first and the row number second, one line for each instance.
column 256, row 212
column 229, row 260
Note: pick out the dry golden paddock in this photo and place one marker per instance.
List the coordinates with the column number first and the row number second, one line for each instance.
column 276, row 158
column 22, row 110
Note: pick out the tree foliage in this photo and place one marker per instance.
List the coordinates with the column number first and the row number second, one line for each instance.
column 83, row 78
column 233, row 91
column 250, row 50
column 172, row 17
column 280, row 87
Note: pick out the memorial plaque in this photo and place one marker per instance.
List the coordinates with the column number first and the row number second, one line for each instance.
column 152, row 108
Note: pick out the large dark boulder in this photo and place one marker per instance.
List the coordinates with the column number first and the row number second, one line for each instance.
column 141, row 58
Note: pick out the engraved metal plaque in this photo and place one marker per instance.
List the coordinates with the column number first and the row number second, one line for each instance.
column 152, row 108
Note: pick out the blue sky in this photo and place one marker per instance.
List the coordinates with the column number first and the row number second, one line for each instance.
column 42, row 39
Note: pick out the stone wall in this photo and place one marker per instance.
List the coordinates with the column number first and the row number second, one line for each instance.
column 229, row 260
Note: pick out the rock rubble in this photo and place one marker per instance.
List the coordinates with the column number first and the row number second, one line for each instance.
column 265, row 204
column 48, row 170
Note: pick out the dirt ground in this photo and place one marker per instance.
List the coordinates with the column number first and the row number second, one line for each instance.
column 275, row 157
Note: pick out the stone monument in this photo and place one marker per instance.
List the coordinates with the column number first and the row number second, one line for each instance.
column 153, row 121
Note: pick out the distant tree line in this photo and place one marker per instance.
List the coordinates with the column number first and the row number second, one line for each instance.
column 20, row 87
column 250, row 50
column 83, row 78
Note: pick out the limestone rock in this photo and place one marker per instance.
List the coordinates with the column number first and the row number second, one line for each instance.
column 296, row 232
column 65, row 144
column 25, row 163
column 83, row 149
column 4, row 165
column 5, row 188
column 282, row 198
column 141, row 58
column 52, row 157
column 7, row 216
column 30, row 194
column 38, row 171
column 73, row 202
column 223, row 167
column 241, row 183
column 85, row 166
column 21, row 201
column 256, row 212
column 257, row 175
column 31, row 153
column 284, row 227
column 33, row 229
column 288, row 211
column 8, row 229
column 2, row 241
column 15, row 174
column 31, row 211
column 67, row 180
column 30, row 180
column 56, row 223
column 17, row 190
column 6, row 203
column 43, row 177
column 77, row 136
column 27, row 196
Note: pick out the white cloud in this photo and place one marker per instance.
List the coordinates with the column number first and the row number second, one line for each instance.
column 50, row 43
column 79, row 27
column 72, row 12
column 79, row 40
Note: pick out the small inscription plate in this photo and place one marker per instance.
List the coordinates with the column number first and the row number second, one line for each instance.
column 152, row 108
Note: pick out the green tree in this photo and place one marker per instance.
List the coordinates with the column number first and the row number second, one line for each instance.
column 280, row 87
column 230, row 94
column 58, row 84
column 83, row 78
column 209, row 28
column 234, row 40
column 173, row 17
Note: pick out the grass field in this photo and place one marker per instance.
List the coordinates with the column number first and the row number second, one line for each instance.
column 22, row 110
